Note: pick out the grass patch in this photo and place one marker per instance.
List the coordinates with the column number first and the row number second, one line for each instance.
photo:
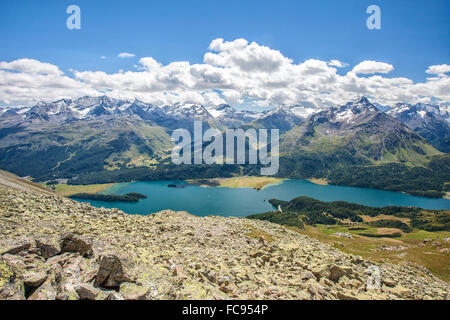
column 257, row 183
column 322, row 182
column 428, row 256
column 69, row 190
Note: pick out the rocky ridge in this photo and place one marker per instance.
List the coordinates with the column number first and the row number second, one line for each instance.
column 55, row 248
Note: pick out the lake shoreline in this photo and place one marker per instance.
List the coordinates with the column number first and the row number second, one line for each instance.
column 242, row 202
column 253, row 182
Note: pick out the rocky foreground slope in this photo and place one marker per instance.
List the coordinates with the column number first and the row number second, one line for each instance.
column 56, row 248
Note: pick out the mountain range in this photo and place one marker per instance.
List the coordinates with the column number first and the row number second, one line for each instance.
column 429, row 121
column 70, row 138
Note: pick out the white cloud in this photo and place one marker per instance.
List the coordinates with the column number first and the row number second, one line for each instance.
column 368, row 67
column 337, row 63
column 438, row 69
column 232, row 72
column 31, row 66
column 247, row 57
column 126, row 55
column 103, row 57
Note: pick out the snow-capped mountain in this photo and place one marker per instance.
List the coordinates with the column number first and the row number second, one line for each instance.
column 357, row 129
column 232, row 117
column 352, row 113
column 283, row 118
column 70, row 137
column 429, row 121
column 187, row 111
column 68, row 109
column 170, row 116
column 406, row 112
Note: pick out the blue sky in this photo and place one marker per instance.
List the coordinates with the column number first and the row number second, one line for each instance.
column 414, row 34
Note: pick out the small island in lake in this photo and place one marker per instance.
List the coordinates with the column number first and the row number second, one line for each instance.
column 129, row 197
column 177, row 186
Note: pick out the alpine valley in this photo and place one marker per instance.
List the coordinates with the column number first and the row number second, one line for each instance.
column 102, row 140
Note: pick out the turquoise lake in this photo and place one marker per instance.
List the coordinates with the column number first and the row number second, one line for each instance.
column 241, row 202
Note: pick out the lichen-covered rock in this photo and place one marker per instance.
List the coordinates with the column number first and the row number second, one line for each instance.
column 15, row 247
column 87, row 292
column 131, row 291
column 48, row 247
column 175, row 255
column 51, row 287
column 73, row 243
column 338, row 271
column 111, row 273
column 11, row 284
column 34, row 279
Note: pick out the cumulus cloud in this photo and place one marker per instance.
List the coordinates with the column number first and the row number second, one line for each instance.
column 126, row 55
column 232, row 72
column 30, row 66
column 438, row 69
column 369, row 67
column 247, row 57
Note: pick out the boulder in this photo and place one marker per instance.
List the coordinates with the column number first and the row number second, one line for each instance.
column 48, row 248
column 16, row 247
column 307, row 275
column 110, row 273
column 50, row 289
column 73, row 243
column 338, row 271
column 11, row 285
column 87, row 291
column 34, row 279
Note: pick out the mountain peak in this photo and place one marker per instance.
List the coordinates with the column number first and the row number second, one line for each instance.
column 361, row 100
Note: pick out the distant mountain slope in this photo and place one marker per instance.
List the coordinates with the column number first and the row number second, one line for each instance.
column 282, row 118
column 83, row 146
column 231, row 117
column 100, row 138
column 361, row 130
column 428, row 121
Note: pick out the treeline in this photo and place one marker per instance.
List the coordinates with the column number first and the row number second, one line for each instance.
column 419, row 181
column 391, row 224
column 436, row 221
column 318, row 211
column 284, row 218
column 305, row 210
column 161, row 172
column 129, row 197
column 305, row 165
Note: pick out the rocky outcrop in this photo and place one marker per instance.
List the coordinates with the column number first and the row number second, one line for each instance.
column 110, row 273
column 175, row 255
column 73, row 243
